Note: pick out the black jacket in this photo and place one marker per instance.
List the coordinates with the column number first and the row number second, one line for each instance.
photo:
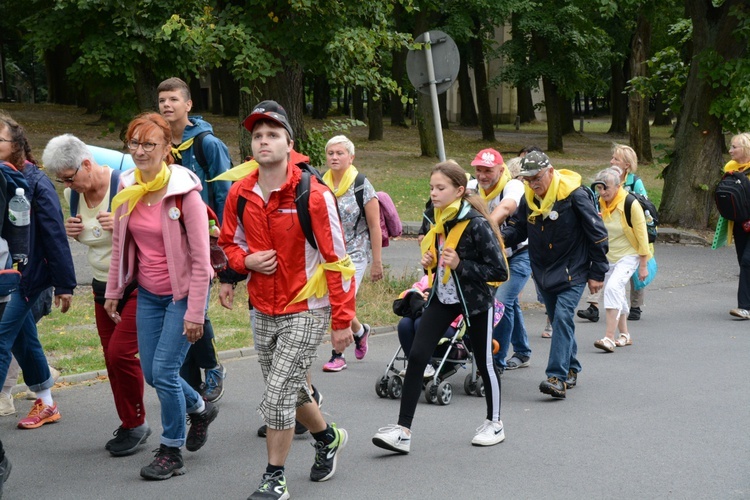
column 566, row 251
column 482, row 260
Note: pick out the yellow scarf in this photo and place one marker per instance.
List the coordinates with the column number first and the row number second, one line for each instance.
column 318, row 285
column 132, row 194
column 428, row 244
column 607, row 209
column 733, row 166
column 346, row 181
column 502, row 181
column 237, row 173
column 563, row 183
column 177, row 151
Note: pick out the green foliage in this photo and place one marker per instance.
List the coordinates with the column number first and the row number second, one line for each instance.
column 315, row 145
column 667, row 76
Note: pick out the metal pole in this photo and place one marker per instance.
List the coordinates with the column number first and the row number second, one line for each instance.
column 434, row 97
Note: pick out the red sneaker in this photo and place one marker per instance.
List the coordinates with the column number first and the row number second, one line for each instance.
column 39, row 415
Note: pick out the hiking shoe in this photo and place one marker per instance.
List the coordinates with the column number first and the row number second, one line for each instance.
column 5, row 468
column 591, row 314
column 737, row 313
column 198, row 433
column 336, row 363
column 298, row 427
column 127, row 441
column 167, row 463
column 572, row 379
column 39, row 415
column 6, row 405
column 517, row 361
column 554, row 387
column 327, row 455
column 635, row 314
column 489, row 433
column 213, row 389
column 392, row 438
column 272, row 487
column 360, row 343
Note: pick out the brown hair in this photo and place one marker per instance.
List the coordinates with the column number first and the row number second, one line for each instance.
column 172, row 84
column 458, row 177
column 144, row 124
column 20, row 148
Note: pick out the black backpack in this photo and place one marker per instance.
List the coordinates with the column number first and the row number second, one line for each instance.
column 732, row 196
column 301, row 200
column 649, row 211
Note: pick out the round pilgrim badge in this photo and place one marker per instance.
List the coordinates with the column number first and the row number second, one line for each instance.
column 174, row 213
column 553, row 215
column 97, row 231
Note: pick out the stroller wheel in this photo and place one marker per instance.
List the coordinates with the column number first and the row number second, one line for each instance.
column 470, row 387
column 395, row 387
column 430, row 392
column 381, row 387
column 444, row 393
column 480, row 388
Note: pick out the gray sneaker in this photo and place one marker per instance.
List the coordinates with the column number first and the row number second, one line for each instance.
column 272, row 487
column 127, row 441
column 213, row 388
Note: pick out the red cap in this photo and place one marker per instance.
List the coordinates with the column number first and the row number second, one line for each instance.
column 487, row 158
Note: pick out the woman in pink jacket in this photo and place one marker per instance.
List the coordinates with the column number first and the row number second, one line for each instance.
column 160, row 240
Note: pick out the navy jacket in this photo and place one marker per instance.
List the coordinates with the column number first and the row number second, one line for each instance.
column 566, row 251
column 50, row 262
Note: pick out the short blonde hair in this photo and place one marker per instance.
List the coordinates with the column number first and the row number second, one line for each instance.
column 514, row 166
column 341, row 139
column 743, row 140
column 628, row 156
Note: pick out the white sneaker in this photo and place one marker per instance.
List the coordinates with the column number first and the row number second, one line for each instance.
column 392, row 438
column 429, row 371
column 6, row 405
column 489, row 433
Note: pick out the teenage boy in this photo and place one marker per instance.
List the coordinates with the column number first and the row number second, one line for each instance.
column 209, row 159
column 297, row 291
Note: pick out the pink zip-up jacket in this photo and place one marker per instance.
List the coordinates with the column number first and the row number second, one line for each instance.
column 185, row 242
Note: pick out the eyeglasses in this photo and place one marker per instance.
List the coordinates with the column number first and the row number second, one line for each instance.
column 69, row 179
column 537, row 177
column 147, row 146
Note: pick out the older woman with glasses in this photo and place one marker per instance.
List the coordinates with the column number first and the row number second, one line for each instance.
column 49, row 263
column 89, row 191
column 628, row 253
column 160, row 240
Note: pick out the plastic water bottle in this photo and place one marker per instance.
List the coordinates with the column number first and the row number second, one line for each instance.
column 649, row 219
column 218, row 257
column 19, row 214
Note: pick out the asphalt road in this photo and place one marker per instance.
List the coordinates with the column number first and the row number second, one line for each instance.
column 664, row 418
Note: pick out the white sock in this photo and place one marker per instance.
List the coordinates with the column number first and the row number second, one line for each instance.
column 360, row 332
column 46, row 397
column 202, row 407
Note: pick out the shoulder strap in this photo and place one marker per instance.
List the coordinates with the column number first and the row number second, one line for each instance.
column 629, row 199
column 114, row 181
column 359, row 195
column 302, row 201
column 74, row 197
column 200, row 156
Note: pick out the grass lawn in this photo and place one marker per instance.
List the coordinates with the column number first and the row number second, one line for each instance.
column 393, row 165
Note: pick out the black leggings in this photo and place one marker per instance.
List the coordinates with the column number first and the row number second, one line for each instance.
column 436, row 318
column 202, row 354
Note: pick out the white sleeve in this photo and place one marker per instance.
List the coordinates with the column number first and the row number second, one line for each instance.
column 514, row 190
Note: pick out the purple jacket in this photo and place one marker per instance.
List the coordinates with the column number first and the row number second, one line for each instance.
column 185, row 242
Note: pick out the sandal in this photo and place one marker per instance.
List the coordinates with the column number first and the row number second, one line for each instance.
column 624, row 339
column 547, row 333
column 605, row 344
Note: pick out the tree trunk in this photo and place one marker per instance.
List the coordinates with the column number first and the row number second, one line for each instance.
column 346, row 106
column 443, row 107
column 689, row 180
column 525, row 104
column 194, row 84
column 554, row 122
column 229, row 90
column 618, row 99
column 566, row 116
column 398, row 69
column 426, row 126
column 56, row 63
column 215, row 92
column 358, row 103
column 145, row 87
column 469, row 116
column 640, row 134
column 321, row 97
column 662, row 115
column 480, row 82
column 374, row 118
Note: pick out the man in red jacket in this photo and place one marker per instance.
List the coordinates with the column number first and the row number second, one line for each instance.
column 296, row 290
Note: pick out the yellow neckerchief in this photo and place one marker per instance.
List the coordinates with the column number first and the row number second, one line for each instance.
column 318, row 285
column 442, row 215
column 132, row 194
column 733, row 166
column 501, row 182
column 563, row 183
column 606, row 208
column 346, row 180
column 237, row 173
column 177, row 151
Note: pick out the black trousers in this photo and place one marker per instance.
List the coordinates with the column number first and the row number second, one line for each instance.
column 202, row 354
column 741, row 240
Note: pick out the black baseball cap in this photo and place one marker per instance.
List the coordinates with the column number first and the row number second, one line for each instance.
column 268, row 110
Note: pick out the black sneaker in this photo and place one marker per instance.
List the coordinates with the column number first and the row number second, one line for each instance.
column 299, row 429
column 326, row 456
column 213, row 388
column 554, row 387
column 127, row 441
column 198, row 433
column 167, row 463
column 591, row 314
column 635, row 314
column 5, row 468
column 572, row 379
column 272, row 487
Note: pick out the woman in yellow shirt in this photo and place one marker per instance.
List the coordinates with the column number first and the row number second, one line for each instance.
column 629, row 252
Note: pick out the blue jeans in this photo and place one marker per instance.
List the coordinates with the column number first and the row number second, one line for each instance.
column 162, row 348
column 511, row 329
column 561, row 308
column 18, row 334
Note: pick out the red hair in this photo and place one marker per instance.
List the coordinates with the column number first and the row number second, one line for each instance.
column 147, row 123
